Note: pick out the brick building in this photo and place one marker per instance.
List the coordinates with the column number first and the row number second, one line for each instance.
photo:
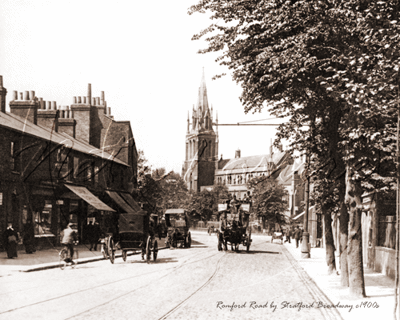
column 61, row 165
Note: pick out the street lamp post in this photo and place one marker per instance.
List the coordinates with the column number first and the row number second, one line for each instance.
column 305, row 247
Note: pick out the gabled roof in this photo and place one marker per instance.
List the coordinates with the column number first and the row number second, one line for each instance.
column 254, row 162
column 16, row 123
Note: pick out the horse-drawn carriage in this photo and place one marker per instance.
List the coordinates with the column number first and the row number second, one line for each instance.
column 136, row 233
column 233, row 230
column 178, row 233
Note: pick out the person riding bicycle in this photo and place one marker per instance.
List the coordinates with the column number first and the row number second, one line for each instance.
column 69, row 238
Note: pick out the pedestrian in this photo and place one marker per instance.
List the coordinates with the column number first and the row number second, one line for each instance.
column 90, row 233
column 10, row 240
column 96, row 236
column 29, row 237
column 288, row 234
column 297, row 235
column 69, row 237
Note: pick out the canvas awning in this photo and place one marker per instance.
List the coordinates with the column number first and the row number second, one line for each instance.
column 89, row 197
column 298, row 216
column 175, row 211
column 132, row 203
column 126, row 208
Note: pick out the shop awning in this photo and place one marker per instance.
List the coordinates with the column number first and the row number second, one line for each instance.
column 120, row 202
column 298, row 216
column 128, row 198
column 89, row 197
column 175, row 211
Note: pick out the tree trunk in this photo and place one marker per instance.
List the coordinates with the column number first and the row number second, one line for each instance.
column 343, row 238
column 329, row 244
column 354, row 244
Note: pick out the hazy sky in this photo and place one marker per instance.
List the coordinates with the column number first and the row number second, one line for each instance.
column 140, row 53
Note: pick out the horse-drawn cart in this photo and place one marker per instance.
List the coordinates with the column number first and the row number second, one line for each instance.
column 135, row 234
column 232, row 231
column 178, row 232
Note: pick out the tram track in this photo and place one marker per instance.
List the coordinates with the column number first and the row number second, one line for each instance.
column 74, row 277
column 74, row 293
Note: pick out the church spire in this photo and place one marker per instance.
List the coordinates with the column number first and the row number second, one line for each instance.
column 202, row 102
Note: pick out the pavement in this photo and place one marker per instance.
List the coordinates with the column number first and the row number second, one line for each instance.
column 379, row 288
column 49, row 258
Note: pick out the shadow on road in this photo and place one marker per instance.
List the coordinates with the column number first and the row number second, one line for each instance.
column 252, row 252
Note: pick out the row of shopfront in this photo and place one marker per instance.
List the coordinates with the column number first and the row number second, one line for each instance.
column 48, row 210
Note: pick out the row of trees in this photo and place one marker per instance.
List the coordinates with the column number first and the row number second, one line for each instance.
column 332, row 68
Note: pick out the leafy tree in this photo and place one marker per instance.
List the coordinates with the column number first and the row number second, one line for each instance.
column 174, row 191
column 268, row 200
column 331, row 67
column 149, row 191
column 204, row 204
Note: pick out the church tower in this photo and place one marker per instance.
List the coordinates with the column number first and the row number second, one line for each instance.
column 201, row 144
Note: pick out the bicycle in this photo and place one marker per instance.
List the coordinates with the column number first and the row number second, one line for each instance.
column 65, row 258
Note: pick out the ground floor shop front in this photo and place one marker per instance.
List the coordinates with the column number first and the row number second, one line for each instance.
column 43, row 211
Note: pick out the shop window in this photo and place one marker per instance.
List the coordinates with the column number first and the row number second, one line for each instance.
column 89, row 172
column 42, row 219
column 96, row 174
column 14, row 157
column 76, row 167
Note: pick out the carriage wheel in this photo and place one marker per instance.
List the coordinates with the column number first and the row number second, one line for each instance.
column 248, row 244
column 111, row 252
column 189, row 241
column 155, row 250
column 124, row 254
column 63, row 256
column 148, row 251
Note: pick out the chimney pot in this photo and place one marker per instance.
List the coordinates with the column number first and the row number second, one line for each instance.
column 21, row 95
column 15, row 95
column 79, row 100
column 32, row 94
column 41, row 105
column 109, row 111
column 84, row 100
column 74, row 100
column 89, row 95
column 26, row 95
column 1, row 81
column 102, row 98
column 54, row 105
column 93, row 101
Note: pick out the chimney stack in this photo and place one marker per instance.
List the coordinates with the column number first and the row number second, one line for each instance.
column 27, row 107
column 3, row 94
column 237, row 153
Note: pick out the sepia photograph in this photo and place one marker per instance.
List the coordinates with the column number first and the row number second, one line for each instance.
column 199, row 159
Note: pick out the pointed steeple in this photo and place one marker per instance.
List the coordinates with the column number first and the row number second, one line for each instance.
column 202, row 102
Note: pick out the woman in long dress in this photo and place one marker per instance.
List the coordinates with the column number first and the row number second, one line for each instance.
column 10, row 240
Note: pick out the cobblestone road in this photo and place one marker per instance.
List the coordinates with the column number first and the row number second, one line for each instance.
column 195, row 283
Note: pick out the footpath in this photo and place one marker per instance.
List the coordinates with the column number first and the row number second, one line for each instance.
column 379, row 303
column 49, row 258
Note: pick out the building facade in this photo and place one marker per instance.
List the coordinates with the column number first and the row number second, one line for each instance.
column 62, row 165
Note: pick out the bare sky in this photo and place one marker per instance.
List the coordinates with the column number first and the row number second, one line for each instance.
column 140, row 53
